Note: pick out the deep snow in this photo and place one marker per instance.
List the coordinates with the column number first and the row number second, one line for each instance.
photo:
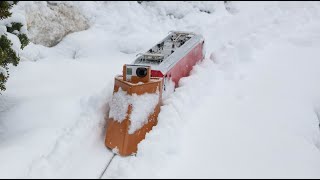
column 247, row 111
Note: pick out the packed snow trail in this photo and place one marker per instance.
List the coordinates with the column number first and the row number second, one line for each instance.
column 236, row 111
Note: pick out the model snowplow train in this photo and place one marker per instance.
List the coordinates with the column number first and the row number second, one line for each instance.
column 138, row 91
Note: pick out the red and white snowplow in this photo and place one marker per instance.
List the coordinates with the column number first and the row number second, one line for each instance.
column 138, row 91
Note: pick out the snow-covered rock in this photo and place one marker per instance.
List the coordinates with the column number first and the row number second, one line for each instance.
column 49, row 22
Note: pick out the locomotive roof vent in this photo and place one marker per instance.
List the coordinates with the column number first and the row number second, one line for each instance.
column 164, row 48
column 165, row 54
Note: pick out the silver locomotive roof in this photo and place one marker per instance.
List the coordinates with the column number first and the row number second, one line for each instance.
column 165, row 54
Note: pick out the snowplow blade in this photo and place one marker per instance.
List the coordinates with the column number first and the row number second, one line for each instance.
column 118, row 135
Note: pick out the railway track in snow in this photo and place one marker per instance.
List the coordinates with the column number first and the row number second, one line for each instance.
column 107, row 166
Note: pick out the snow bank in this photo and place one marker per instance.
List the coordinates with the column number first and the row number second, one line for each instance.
column 142, row 106
column 180, row 10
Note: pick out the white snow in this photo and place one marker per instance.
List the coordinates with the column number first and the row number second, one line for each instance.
column 142, row 106
column 16, row 44
column 247, row 111
column 3, row 71
column 119, row 105
column 169, row 87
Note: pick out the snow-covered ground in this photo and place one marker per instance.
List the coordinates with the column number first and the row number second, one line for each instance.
column 247, row 111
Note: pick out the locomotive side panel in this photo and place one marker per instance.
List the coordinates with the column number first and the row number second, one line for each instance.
column 183, row 67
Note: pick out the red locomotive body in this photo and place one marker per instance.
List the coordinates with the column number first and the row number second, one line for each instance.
column 174, row 56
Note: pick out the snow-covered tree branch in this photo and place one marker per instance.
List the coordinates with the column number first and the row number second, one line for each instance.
column 9, row 55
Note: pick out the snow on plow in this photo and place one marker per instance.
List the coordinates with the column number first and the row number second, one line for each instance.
column 134, row 109
column 138, row 91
